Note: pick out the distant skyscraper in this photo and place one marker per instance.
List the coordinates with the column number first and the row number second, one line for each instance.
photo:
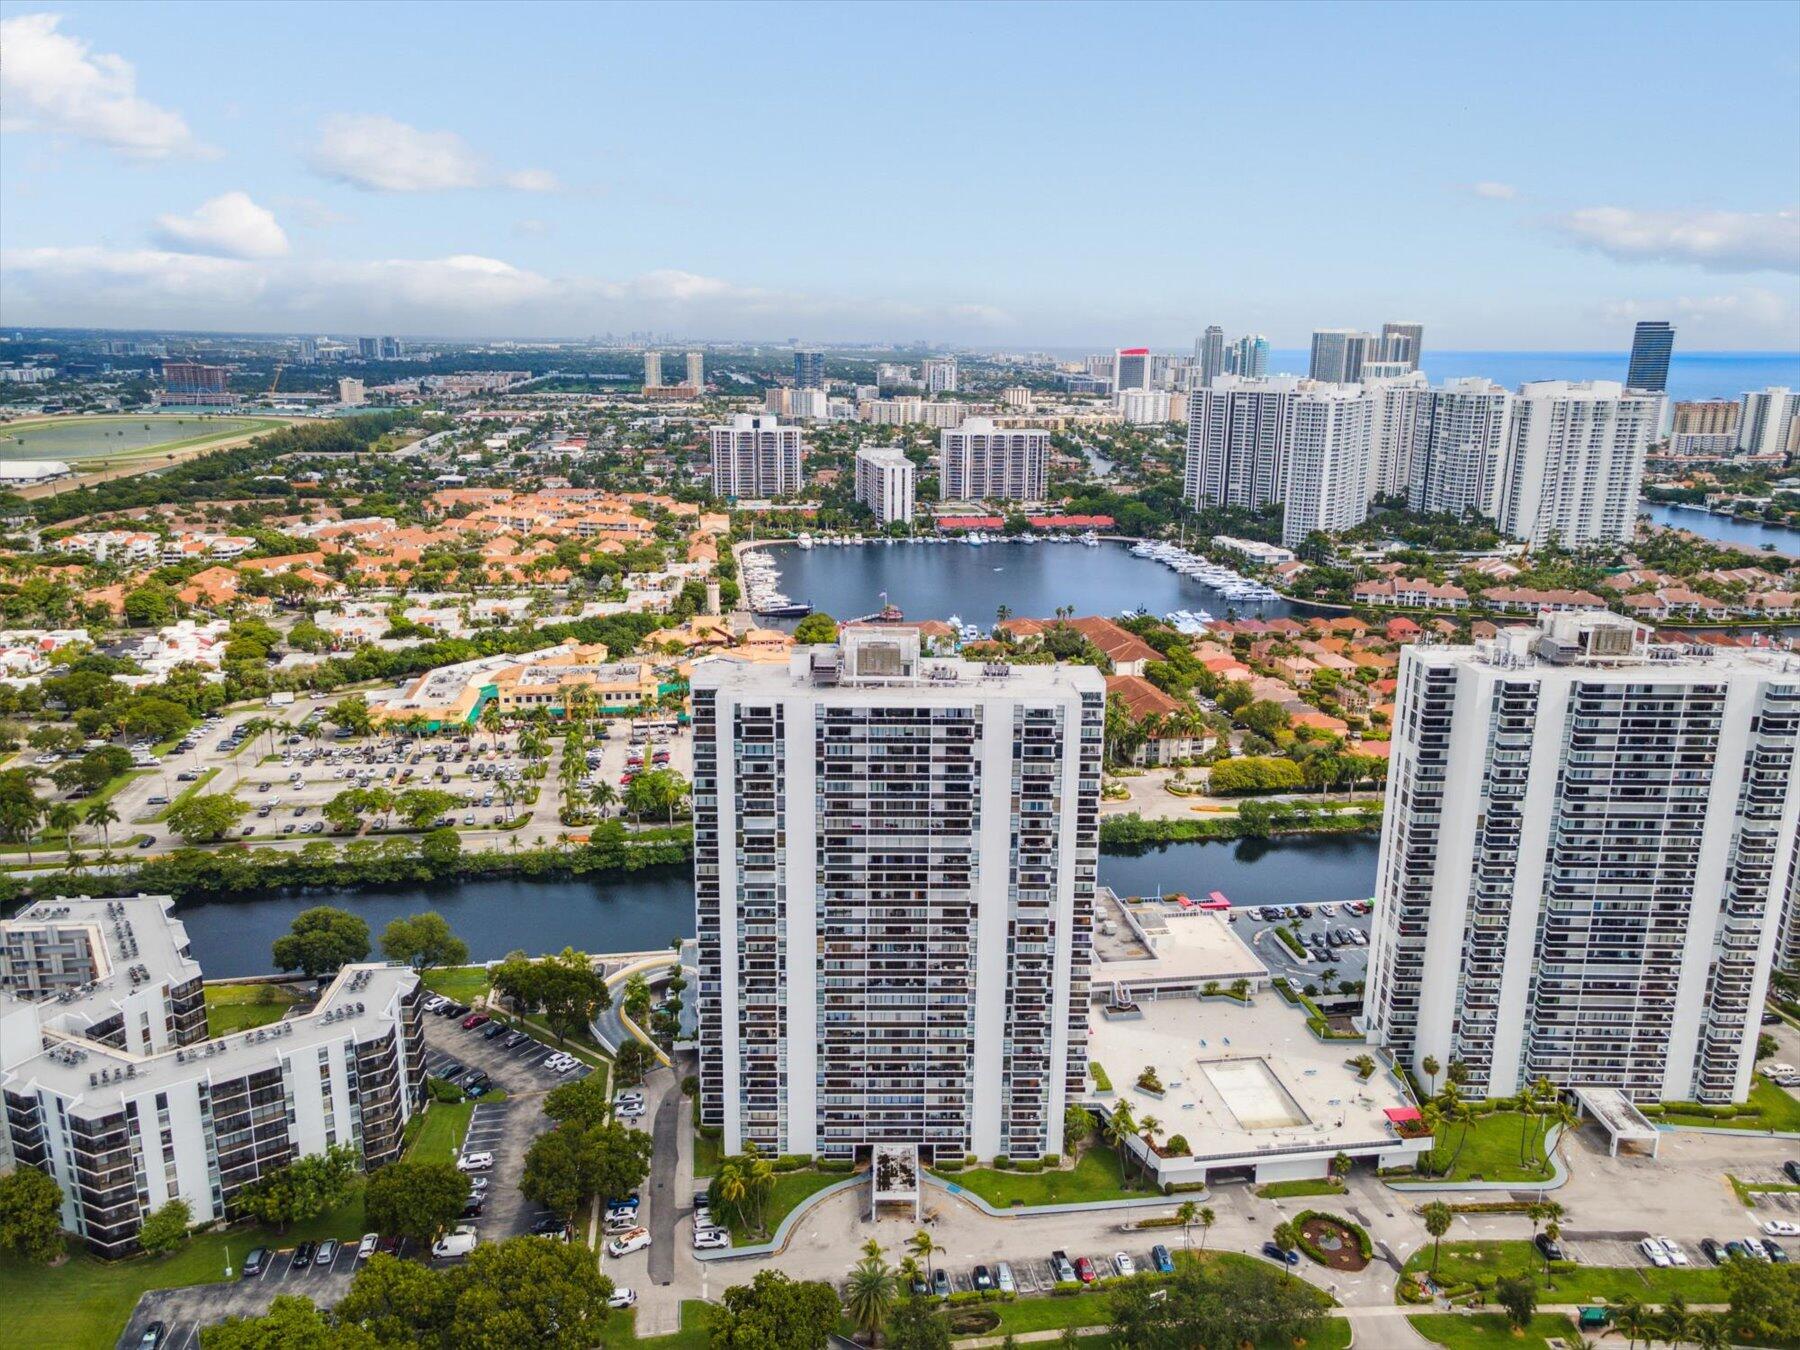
column 1705, row 428
column 192, row 384
column 390, row 349
column 308, row 351
column 1586, row 851
column 809, row 370
column 756, row 457
column 1338, row 355
column 1237, row 440
column 885, row 479
column 1574, row 462
column 1209, row 351
column 1131, row 368
column 1651, row 346
column 1396, row 395
column 893, row 890
column 1403, row 342
column 940, row 374
column 1330, row 435
column 653, row 370
column 696, row 371
column 368, row 349
column 1248, row 356
column 350, row 392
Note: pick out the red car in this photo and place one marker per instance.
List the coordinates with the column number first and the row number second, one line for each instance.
column 1084, row 1270
column 474, row 1020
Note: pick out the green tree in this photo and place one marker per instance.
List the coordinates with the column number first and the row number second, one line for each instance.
column 99, row 816
column 166, row 1228
column 529, row 1292
column 423, row 941
column 399, row 1302
column 583, row 1103
column 292, row 1323
column 30, row 1215
column 320, row 940
column 21, row 809
column 1078, row 1124
column 302, row 1190
column 417, row 1200
column 1517, row 1296
column 774, row 1312
column 915, row 1325
column 816, row 628
column 205, row 816
column 151, row 605
column 871, row 1290
column 419, row 807
column 352, row 715
column 559, row 1172
column 1438, row 1217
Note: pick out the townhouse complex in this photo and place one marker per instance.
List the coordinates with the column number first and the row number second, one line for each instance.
column 1587, row 856
column 111, row 1085
column 894, row 867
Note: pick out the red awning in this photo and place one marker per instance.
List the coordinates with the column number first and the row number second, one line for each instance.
column 1403, row 1115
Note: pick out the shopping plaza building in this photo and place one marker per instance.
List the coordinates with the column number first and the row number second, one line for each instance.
column 111, row 1085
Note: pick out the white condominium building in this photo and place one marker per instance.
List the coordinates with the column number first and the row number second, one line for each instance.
column 894, row 862
column 1330, row 445
column 110, row 1085
column 653, row 370
column 939, row 373
column 1770, row 422
column 1586, row 850
column 756, row 457
column 1237, row 440
column 1397, row 397
column 1574, row 461
column 1458, row 449
column 884, row 482
column 696, row 371
column 978, row 461
column 1144, row 407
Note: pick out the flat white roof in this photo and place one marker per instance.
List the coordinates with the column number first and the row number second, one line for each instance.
column 1227, row 1068
column 1157, row 944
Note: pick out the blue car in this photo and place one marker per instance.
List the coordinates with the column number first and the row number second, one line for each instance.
column 1274, row 1253
column 1160, row 1258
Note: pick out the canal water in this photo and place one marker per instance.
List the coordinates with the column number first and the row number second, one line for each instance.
column 647, row 909
column 937, row 580
column 1725, row 529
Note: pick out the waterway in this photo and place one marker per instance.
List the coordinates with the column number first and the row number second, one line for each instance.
column 938, row 580
column 644, row 911
column 1725, row 529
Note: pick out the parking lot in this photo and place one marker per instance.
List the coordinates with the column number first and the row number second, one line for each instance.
column 1350, row 960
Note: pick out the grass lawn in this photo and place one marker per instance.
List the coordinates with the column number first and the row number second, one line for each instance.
column 1464, row 1262
column 85, row 1303
column 1491, row 1152
column 440, row 1132
column 238, row 1007
column 1488, row 1331
column 1746, row 1189
column 790, row 1189
column 1095, row 1176
column 1780, row 1111
column 459, row 983
column 709, row 1152
column 621, row 1330
column 1284, row 1190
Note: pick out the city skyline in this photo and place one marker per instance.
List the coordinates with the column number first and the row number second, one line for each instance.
column 141, row 195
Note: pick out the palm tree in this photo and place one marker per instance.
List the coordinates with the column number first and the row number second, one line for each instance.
column 921, row 1245
column 730, row 1188
column 1710, row 1331
column 1676, row 1323
column 98, row 816
column 762, row 1184
column 1207, row 1220
column 1286, row 1235
column 871, row 1292
column 1438, row 1217
column 1635, row 1320
column 603, row 794
column 1187, row 1213
column 64, row 817
column 1120, row 1128
column 1431, row 1068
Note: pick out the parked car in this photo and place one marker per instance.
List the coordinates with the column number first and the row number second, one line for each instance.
column 621, row 1297
column 474, row 1020
column 1548, row 1249
column 477, row 1185
column 459, row 1243
column 1003, row 1279
column 632, row 1240
column 1160, row 1258
column 1738, row 1250
column 1084, row 1270
column 1792, row 1168
column 1711, row 1250
column 1275, row 1253
column 1781, row 1228
column 982, row 1279
column 707, row 1239
column 1123, row 1264
column 493, row 1029
column 1060, row 1264
column 303, row 1255
column 370, row 1241
column 549, row 1225
column 516, row 1039
column 1654, row 1253
column 1672, row 1249
column 255, row 1263
column 940, row 1283
column 153, row 1336
column 476, row 1162
column 1776, row 1252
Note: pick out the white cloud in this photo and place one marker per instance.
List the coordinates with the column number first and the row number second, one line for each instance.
column 310, row 212
column 96, row 279
column 228, row 226
column 1499, row 192
column 51, row 82
column 1719, row 241
column 1752, row 316
column 368, row 150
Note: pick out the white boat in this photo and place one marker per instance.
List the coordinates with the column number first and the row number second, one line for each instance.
column 977, row 538
column 805, row 540
column 1090, row 540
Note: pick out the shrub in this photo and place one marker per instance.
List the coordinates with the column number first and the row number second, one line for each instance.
column 1101, row 1081
column 836, row 1165
column 1148, row 1079
column 793, row 1162
column 440, row 1091
column 1178, row 1145
column 1365, row 1248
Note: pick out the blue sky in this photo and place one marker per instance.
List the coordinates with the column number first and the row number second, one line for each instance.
column 1513, row 176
